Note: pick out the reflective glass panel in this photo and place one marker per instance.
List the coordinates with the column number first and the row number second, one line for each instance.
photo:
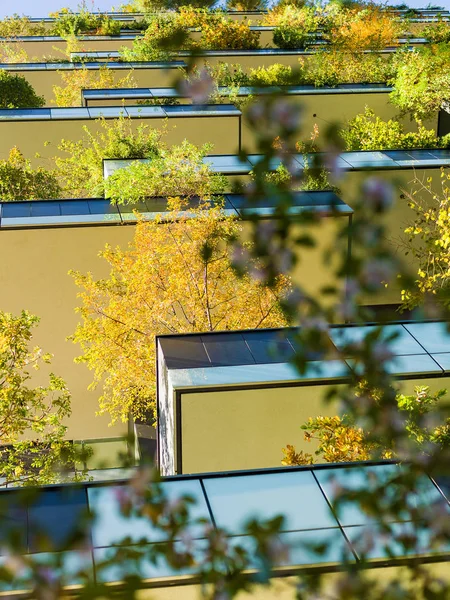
column 403, row 343
column 434, row 337
column 111, row 527
column 296, row 495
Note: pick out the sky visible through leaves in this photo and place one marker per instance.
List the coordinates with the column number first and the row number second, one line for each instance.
column 41, row 8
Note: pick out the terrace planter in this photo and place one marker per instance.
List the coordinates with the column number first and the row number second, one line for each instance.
column 319, row 105
column 68, row 234
column 244, row 380
column 41, row 130
column 43, row 76
column 396, row 167
column 39, row 47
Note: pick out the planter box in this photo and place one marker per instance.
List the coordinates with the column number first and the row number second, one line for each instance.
column 43, row 76
column 262, row 57
column 40, row 47
column 68, row 234
column 41, row 130
column 319, row 105
column 232, row 400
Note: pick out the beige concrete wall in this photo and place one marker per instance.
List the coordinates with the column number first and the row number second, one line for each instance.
column 311, row 273
column 246, row 429
column 37, row 50
column 228, row 430
column 34, row 276
column 397, row 218
column 325, row 109
column 43, row 137
column 44, row 80
column 285, row 588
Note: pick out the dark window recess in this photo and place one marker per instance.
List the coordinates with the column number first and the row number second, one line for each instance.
column 444, row 122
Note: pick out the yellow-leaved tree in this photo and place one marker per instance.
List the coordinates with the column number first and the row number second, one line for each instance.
column 175, row 277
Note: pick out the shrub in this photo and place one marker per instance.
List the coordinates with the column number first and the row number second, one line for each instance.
column 437, row 32
column 79, row 79
column 13, row 53
column 246, row 5
column 18, row 181
column 70, row 23
column 178, row 170
column 334, row 67
column 81, row 171
column 291, row 37
column 229, row 35
column 422, row 81
column 368, row 29
column 149, row 6
column 369, row 132
column 17, row 92
column 288, row 15
column 188, row 16
column 16, row 25
column 163, row 36
column 276, row 74
column 228, row 75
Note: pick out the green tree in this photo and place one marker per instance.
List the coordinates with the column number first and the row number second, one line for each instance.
column 17, row 92
column 19, row 181
column 32, row 432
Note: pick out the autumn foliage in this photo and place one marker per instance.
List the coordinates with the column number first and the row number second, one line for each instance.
column 175, row 277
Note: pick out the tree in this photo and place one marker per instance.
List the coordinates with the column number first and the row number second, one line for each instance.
column 427, row 241
column 172, row 170
column 19, row 181
column 176, row 277
column 81, row 79
column 422, row 81
column 33, row 449
column 340, row 440
column 17, row 92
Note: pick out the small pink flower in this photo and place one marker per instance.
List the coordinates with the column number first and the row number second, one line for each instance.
column 200, row 88
column 378, row 195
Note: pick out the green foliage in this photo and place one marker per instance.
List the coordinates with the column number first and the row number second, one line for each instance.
column 163, row 36
column 75, row 23
column 422, row 80
column 17, row 92
column 81, row 171
column 19, row 181
column 276, row 74
column 178, row 171
column 437, row 32
column 291, row 37
column 322, row 68
column 245, row 5
column 16, row 25
column 222, row 34
column 150, row 6
column 43, row 456
column 333, row 67
column 369, row 132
